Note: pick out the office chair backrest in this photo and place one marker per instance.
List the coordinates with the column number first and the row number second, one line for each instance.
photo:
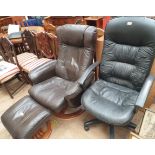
column 76, row 50
column 2, row 54
column 128, row 52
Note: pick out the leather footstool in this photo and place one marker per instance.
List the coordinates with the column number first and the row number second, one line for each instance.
column 25, row 118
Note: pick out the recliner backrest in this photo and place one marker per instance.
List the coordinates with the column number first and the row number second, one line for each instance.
column 128, row 52
column 76, row 50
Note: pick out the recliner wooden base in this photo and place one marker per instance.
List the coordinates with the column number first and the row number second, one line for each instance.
column 64, row 115
column 44, row 134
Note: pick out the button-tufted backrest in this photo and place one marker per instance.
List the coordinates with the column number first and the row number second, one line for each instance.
column 76, row 50
column 129, row 51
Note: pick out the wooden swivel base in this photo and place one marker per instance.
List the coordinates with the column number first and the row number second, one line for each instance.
column 44, row 133
column 64, row 115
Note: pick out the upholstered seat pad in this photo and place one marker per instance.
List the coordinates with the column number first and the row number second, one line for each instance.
column 110, row 102
column 51, row 93
column 24, row 118
column 7, row 71
column 26, row 58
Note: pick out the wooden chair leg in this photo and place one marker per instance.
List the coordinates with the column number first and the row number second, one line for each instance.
column 44, row 134
column 7, row 89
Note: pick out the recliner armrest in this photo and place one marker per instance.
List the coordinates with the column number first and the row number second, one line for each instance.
column 145, row 91
column 43, row 72
column 87, row 72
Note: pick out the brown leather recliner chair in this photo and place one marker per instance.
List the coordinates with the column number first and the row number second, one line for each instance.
column 57, row 84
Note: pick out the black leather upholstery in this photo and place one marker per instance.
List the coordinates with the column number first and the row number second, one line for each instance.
column 128, row 51
column 51, row 93
column 55, row 83
column 128, row 55
column 110, row 102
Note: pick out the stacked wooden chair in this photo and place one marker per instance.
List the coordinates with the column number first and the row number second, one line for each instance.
column 46, row 45
column 8, row 68
column 39, row 48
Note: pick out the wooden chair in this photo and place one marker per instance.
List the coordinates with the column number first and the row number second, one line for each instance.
column 50, row 28
column 8, row 68
column 46, row 45
column 29, row 41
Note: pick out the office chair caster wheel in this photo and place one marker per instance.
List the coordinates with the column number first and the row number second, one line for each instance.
column 86, row 128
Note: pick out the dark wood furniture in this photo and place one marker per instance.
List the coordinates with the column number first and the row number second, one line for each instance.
column 94, row 21
column 11, row 20
column 61, row 20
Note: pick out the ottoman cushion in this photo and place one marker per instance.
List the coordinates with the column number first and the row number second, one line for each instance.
column 24, row 118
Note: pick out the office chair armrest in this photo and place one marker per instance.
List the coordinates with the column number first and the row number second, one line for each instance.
column 43, row 72
column 87, row 72
column 145, row 91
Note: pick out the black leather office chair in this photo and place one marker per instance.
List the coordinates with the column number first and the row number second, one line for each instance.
column 124, row 81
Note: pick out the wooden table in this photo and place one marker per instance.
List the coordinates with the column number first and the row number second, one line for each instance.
column 94, row 21
column 14, row 41
column 61, row 20
column 33, row 28
column 36, row 29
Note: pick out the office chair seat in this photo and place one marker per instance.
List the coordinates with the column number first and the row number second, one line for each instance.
column 51, row 93
column 110, row 102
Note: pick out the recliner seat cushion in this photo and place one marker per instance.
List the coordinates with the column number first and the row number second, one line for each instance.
column 110, row 102
column 51, row 93
column 24, row 118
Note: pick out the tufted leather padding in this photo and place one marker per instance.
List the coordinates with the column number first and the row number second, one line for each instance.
column 128, row 51
column 55, row 83
column 110, row 102
column 76, row 50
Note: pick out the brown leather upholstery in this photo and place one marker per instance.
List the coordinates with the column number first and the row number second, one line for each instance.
column 25, row 117
column 76, row 51
column 55, row 83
